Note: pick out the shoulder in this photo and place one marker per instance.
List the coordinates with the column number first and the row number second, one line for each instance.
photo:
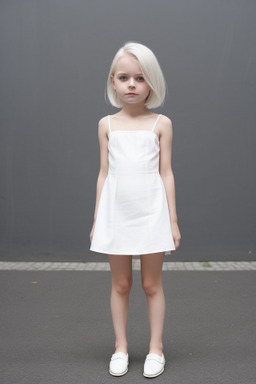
column 165, row 120
column 165, row 126
column 103, row 121
column 103, row 126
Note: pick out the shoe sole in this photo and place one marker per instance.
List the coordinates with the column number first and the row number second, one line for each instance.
column 149, row 376
column 118, row 374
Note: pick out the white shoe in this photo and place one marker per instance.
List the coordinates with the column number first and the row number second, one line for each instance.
column 154, row 365
column 118, row 365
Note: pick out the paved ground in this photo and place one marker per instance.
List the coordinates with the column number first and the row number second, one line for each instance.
column 56, row 326
column 104, row 266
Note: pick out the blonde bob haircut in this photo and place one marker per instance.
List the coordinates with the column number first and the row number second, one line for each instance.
column 151, row 71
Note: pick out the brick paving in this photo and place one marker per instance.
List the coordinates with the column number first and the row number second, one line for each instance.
column 104, row 266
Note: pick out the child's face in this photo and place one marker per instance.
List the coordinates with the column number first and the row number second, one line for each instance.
column 128, row 81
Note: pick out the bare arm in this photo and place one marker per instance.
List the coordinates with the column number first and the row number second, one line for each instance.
column 103, row 143
column 165, row 170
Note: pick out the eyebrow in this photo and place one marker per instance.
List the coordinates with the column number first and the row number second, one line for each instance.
column 125, row 73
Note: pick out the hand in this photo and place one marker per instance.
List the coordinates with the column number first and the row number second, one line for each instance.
column 176, row 234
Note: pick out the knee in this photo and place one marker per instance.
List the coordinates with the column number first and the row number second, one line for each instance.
column 123, row 287
column 150, row 287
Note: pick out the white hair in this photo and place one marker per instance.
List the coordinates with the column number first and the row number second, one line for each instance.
column 150, row 69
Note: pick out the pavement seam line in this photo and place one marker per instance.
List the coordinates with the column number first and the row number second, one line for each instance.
column 104, row 266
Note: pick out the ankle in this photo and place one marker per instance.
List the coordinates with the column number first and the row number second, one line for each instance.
column 121, row 348
column 157, row 349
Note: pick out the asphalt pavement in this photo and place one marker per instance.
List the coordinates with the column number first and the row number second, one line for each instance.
column 56, row 327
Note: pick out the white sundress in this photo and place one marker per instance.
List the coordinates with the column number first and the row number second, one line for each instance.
column 133, row 216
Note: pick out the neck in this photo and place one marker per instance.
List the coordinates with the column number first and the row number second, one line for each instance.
column 134, row 110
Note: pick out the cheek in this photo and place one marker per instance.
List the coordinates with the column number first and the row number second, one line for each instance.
column 119, row 88
column 147, row 89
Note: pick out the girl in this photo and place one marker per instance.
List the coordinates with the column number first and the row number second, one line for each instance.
column 135, row 210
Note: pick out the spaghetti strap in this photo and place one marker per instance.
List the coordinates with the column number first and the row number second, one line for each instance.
column 109, row 125
column 158, row 117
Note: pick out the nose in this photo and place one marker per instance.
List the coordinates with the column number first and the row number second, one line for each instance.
column 131, row 83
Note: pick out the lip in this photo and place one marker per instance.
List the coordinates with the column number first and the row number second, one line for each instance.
column 131, row 94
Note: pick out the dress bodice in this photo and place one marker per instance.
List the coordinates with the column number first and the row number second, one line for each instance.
column 133, row 151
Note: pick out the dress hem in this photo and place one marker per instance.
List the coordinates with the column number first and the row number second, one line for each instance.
column 132, row 253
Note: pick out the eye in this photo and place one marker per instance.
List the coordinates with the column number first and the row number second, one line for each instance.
column 122, row 78
column 140, row 78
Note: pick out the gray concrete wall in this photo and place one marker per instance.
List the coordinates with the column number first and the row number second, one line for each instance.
column 55, row 57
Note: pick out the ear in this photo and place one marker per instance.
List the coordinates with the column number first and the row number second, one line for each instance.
column 112, row 81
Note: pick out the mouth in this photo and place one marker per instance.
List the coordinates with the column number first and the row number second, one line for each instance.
column 131, row 94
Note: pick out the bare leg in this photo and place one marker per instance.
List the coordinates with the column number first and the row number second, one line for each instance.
column 121, row 268
column 151, row 275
